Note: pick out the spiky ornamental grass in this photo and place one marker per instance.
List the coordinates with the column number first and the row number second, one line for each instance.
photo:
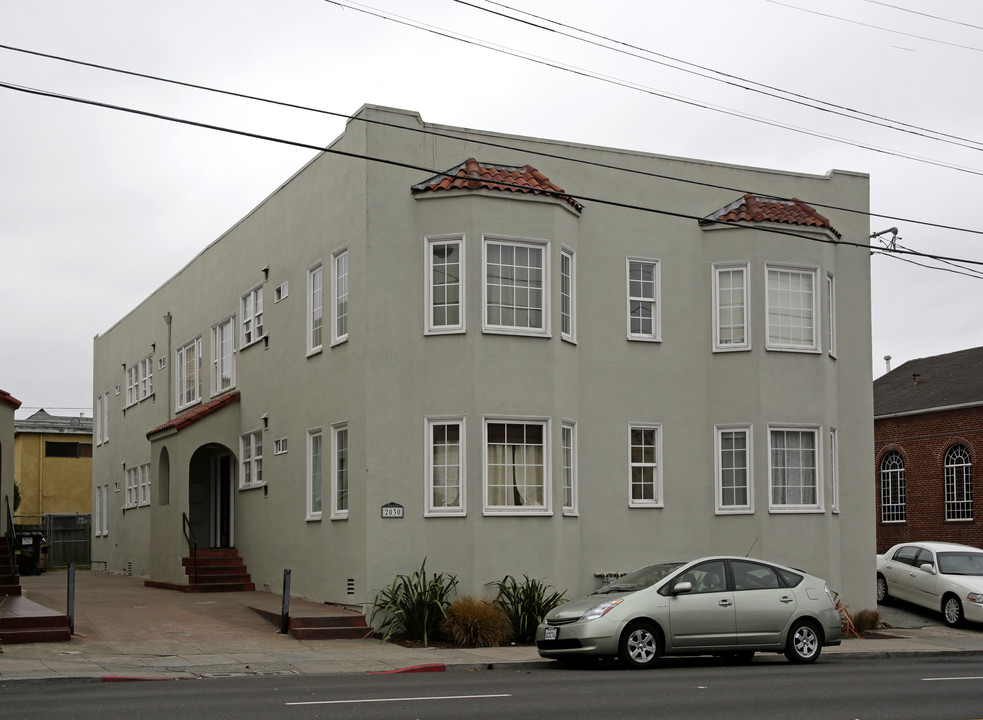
column 415, row 604
column 526, row 603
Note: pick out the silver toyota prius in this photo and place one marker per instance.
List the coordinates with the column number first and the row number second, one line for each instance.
column 727, row 606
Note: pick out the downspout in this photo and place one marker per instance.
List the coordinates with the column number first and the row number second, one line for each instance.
column 170, row 399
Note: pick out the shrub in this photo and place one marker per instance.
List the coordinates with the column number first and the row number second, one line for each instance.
column 473, row 622
column 866, row 620
column 414, row 604
column 525, row 604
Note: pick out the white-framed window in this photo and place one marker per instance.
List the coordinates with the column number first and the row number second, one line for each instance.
column 958, row 484
column 146, row 377
column 644, row 466
column 144, row 498
column 315, row 473
column 568, row 458
column 97, row 420
column 734, row 469
column 831, row 314
column 187, row 372
column 516, row 287
column 162, row 362
column 893, row 507
column 339, row 471
column 132, row 385
column 339, row 297
column 794, row 468
column 568, row 295
column 280, row 446
column 105, row 416
column 445, row 284
column 731, row 300
column 445, row 467
column 516, row 466
column 251, row 459
column 280, row 292
column 223, row 356
column 251, row 313
column 793, row 308
column 100, row 511
column 137, row 486
column 644, row 308
column 315, row 308
column 834, row 471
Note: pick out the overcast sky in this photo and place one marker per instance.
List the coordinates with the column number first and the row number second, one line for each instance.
column 99, row 207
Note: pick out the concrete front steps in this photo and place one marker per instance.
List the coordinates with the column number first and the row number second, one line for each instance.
column 21, row 620
column 218, row 570
column 9, row 579
column 337, row 624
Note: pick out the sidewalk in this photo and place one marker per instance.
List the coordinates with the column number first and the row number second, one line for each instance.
column 124, row 630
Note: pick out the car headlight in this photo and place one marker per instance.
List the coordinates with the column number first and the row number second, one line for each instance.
column 975, row 597
column 601, row 610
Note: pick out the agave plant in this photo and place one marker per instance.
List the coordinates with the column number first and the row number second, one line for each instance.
column 415, row 604
column 526, row 604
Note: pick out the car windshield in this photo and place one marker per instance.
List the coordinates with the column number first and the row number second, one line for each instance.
column 961, row 563
column 640, row 579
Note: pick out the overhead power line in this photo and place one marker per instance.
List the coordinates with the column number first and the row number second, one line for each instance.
column 435, row 172
column 924, row 14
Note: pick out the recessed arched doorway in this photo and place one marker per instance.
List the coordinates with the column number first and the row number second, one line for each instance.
column 211, row 495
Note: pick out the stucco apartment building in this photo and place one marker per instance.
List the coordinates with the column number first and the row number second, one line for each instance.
column 8, row 405
column 53, row 466
column 503, row 355
column 928, row 435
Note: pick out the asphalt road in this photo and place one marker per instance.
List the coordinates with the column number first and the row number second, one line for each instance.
column 912, row 687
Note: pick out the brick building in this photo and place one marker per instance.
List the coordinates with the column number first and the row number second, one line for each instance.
column 928, row 437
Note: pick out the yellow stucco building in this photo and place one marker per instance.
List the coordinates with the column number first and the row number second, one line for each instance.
column 52, row 466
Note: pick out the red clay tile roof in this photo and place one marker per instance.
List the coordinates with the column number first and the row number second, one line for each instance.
column 6, row 397
column 198, row 413
column 473, row 175
column 752, row 208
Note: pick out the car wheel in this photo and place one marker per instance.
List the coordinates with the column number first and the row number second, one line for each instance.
column 639, row 646
column 952, row 611
column 883, row 598
column 804, row 644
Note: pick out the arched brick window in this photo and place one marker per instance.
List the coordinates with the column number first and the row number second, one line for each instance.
column 958, row 484
column 892, row 488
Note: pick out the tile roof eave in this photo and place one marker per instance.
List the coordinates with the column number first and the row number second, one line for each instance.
column 195, row 414
column 8, row 399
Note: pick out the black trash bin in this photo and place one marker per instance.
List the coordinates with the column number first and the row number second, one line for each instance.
column 28, row 551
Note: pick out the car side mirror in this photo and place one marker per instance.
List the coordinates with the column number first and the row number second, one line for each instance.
column 682, row 587
column 927, row 567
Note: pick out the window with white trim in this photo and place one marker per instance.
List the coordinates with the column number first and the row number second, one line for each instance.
column 445, row 284
column 516, row 288
column 132, row 384
column 144, row 498
column 251, row 459
column 568, row 295
column 793, row 309
column 315, row 308
column 568, row 458
column 223, row 356
column 794, row 469
column 280, row 446
column 105, row 417
column 644, row 308
column 644, row 470
column 339, row 297
column 251, row 314
column 280, row 292
column 187, row 373
column 137, row 486
column 516, row 466
column 734, row 469
column 958, row 484
column 97, row 511
column 315, row 476
column 146, row 377
column 834, row 471
column 730, row 307
column 97, row 420
column 339, row 472
column 445, row 467
column 831, row 313
column 893, row 507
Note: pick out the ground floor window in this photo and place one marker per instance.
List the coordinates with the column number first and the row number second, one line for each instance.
column 339, row 472
column 445, row 466
column 251, row 454
column 315, row 458
column 516, row 466
column 645, row 474
column 794, row 469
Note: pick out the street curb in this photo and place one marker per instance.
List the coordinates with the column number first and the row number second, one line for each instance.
column 429, row 667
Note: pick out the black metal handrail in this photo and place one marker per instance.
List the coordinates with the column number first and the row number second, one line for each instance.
column 189, row 535
column 11, row 535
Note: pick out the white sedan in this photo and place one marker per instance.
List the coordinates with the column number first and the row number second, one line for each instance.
column 936, row 575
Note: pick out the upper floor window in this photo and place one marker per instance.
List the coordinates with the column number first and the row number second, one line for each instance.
column 568, row 454
column 734, row 469
column 892, row 488
column 132, row 383
column 568, row 296
column 644, row 311
column 645, row 473
column 516, row 466
column 315, row 308
column 251, row 324
column 188, row 373
column 339, row 297
column 792, row 308
column 146, row 377
column 315, row 477
column 730, row 308
column 794, row 469
column 516, row 287
column 958, row 484
column 445, row 466
column 137, row 486
column 251, row 459
column 831, row 313
column 223, row 356
column 445, row 284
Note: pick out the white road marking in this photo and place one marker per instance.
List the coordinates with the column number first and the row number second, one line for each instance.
column 953, row 678
column 403, row 699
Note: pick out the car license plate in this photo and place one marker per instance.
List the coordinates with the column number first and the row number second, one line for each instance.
column 551, row 633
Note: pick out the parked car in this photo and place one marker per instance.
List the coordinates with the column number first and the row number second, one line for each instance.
column 727, row 606
column 939, row 576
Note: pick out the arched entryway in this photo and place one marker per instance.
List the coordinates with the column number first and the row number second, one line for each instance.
column 211, row 496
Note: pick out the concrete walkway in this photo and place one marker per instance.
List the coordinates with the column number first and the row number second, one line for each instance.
column 124, row 630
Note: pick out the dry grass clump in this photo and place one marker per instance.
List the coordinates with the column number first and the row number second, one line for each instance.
column 472, row 622
column 866, row 620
